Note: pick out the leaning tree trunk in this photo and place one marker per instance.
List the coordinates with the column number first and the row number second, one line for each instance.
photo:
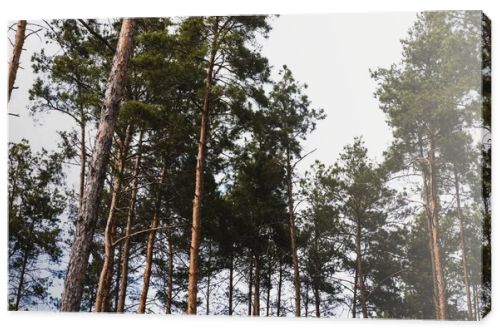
column 198, row 189
column 150, row 243
column 16, row 55
column 435, row 238
column 87, row 217
column 122, row 293
column 110, row 230
column 361, row 279
column 465, row 263
column 83, row 158
column 293, row 235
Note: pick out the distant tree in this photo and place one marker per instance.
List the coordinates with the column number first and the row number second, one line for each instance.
column 36, row 202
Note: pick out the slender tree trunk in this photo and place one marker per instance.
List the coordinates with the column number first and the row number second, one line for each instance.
column 465, row 263
column 435, row 239
column 476, row 304
column 208, row 277
column 361, row 280
column 280, row 284
column 293, row 234
column 118, row 277
column 355, row 291
column 110, row 232
column 16, row 54
column 317, row 302
column 170, row 279
column 250, row 281
column 256, row 301
column 83, row 158
column 150, row 243
column 87, row 217
column 22, row 275
column 120, row 307
column 268, row 294
column 231, row 282
column 429, row 229
column 306, row 300
column 198, row 190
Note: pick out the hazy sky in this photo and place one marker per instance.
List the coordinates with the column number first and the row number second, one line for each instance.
column 332, row 53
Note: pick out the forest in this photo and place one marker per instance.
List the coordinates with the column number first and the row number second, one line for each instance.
column 188, row 198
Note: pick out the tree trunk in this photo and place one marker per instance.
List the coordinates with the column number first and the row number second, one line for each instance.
column 317, row 302
column 355, row 291
column 293, row 237
column 87, row 217
column 21, row 281
column 128, row 229
column 150, row 243
column 198, row 190
column 429, row 228
column 361, row 280
column 110, row 231
column 306, row 300
column 269, row 286
column 16, row 54
column 280, row 284
column 250, row 280
column 435, row 239
column 476, row 306
column 465, row 263
column 170, row 279
column 256, row 300
column 208, row 277
column 231, row 282
column 83, row 158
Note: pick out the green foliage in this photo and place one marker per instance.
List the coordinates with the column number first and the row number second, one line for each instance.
column 36, row 204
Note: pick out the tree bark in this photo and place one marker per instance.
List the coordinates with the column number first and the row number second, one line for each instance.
column 465, row 263
column 435, row 238
column 150, row 243
column 293, row 234
column 83, row 158
column 110, row 231
column 361, row 280
column 198, row 190
column 87, row 217
column 16, row 54
column 128, row 229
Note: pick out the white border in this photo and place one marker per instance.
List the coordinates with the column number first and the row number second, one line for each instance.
column 85, row 323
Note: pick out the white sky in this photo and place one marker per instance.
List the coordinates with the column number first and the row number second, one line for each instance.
column 332, row 53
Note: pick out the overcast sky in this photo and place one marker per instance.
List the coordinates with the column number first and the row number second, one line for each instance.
column 332, row 53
